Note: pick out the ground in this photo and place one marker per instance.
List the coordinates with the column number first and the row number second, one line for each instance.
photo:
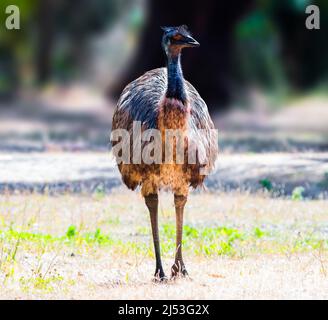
column 238, row 246
column 61, row 172
column 69, row 228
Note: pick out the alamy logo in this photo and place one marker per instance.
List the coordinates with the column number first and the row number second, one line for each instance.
column 173, row 146
column 313, row 20
column 13, row 19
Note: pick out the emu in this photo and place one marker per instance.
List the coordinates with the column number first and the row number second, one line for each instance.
column 162, row 99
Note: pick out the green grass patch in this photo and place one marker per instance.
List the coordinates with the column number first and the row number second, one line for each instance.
column 197, row 240
column 297, row 193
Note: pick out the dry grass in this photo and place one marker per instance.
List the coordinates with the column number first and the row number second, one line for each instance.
column 289, row 260
column 263, row 277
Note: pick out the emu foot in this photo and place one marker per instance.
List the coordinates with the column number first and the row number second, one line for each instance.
column 160, row 277
column 178, row 270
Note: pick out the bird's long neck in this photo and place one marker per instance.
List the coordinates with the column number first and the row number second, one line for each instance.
column 175, row 86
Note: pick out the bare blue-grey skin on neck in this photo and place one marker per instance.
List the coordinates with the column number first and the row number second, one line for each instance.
column 175, row 80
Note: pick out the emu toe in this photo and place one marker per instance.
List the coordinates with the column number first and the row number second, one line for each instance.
column 178, row 270
column 160, row 276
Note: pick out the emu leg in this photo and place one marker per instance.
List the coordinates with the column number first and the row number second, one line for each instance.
column 152, row 204
column 179, row 268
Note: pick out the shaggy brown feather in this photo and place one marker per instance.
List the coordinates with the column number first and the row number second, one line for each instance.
column 144, row 100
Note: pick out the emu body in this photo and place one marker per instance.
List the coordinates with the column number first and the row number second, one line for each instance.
column 145, row 100
column 162, row 99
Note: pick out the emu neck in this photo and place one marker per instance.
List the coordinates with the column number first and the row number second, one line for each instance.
column 175, row 87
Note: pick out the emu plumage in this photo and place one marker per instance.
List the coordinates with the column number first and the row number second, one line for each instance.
column 142, row 100
column 162, row 99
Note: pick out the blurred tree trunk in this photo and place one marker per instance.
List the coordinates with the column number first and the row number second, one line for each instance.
column 46, row 29
column 207, row 67
column 8, row 75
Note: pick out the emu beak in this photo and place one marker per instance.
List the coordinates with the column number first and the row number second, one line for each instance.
column 191, row 42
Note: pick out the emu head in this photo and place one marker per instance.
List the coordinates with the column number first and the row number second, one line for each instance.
column 176, row 38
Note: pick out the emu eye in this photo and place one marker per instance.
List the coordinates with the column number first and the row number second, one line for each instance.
column 177, row 37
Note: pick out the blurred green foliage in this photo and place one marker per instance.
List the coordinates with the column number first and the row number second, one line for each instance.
column 266, row 184
column 273, row 49
column 53, row 32
column 276, row 53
